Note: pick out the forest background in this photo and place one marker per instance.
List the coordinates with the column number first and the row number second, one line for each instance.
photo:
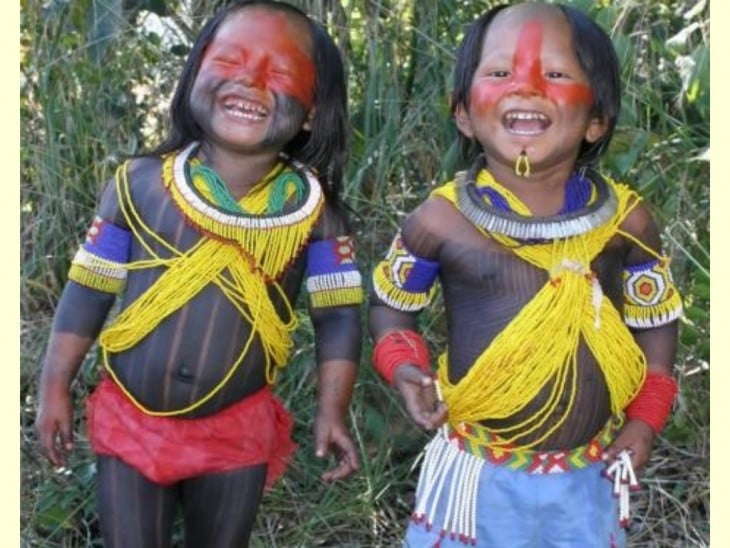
column 96, row 78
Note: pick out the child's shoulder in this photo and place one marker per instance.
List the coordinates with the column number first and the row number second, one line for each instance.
column 142, row 168
column 638, row 216
column 435, row 220
column 333, row 222
column 638, row 223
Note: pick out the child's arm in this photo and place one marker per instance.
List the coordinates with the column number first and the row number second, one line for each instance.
column 652, row 306
column 336, row 383
column 402, row 287
column 94, row 280
column 79, row 317
column 335, row 293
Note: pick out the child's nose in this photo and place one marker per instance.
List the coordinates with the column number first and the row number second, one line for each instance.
column 529, row 81
column 253, row 72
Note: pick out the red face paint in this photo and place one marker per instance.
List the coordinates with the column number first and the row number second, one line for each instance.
column 527, row 76
column 265, row 50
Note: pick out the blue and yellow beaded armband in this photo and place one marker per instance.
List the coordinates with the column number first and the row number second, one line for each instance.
column 404, row 281
column 332, row 275
column 100, row 262
column 650, row 297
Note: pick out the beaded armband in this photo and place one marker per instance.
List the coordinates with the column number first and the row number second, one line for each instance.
column 650, row 297
column 401, row 347
column 654, row 402
column 332, row 275
column 404, row 281
column 100, row 262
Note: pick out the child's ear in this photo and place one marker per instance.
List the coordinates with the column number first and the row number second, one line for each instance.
column 307, row 125
column 463, row 121
column 597, row 128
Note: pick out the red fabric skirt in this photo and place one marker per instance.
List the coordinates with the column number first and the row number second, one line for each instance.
column 166, row 450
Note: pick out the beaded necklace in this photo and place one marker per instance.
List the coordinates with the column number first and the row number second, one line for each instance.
column 270, row 239
column 503, row 213
column 579, row 192
column 280, row 186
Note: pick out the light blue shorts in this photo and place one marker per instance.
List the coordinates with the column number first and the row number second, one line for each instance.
column 517, row 509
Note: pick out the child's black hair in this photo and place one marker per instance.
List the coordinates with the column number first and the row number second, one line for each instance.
column 597, row 58
column 324, row 148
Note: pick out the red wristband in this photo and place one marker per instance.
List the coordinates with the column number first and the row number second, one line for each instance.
column 655, row 400
column 400, row 348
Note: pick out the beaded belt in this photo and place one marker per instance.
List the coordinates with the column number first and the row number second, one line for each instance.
column 461, row 457
column 479, row 441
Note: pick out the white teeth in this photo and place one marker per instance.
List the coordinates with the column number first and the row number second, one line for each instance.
column 526, row 116
column 245, row 109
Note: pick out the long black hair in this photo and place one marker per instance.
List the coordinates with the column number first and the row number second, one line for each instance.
column 324, row 148
column 597, row 58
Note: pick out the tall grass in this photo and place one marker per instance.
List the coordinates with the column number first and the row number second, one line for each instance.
column 88, row 101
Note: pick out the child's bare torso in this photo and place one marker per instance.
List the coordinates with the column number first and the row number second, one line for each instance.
column 191, row 351
column 485, row 286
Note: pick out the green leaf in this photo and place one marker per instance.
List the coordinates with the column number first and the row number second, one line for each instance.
column 689, row 336
column 53, row 517
column 179, row 50
column 625, row 150
column 701, row 289
column 697, row 314
column 699, row 78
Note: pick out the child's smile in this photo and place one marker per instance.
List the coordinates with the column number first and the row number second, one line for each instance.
column 522, row 122
column 244, row 109
column 256, row 80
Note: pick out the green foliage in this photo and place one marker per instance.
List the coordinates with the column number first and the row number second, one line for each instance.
column 96, row 77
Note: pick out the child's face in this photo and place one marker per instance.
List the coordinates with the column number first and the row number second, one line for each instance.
column 255, row 84
column 529, row 92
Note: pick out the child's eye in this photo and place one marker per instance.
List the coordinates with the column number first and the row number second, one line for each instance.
column 280, row 71
column 555, row 75
column 225, row 61
column 498, row 73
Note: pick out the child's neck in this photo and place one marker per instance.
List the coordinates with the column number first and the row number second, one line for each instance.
column 543, row 192
column 240, row 171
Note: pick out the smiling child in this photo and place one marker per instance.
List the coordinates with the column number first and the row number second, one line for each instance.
column 561, row 312
column 206, row 241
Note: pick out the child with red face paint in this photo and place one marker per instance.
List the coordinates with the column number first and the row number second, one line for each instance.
column 206, row 241
column 560, row 308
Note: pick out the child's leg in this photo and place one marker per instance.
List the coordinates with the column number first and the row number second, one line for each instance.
column 134, row 512
column 220, row 509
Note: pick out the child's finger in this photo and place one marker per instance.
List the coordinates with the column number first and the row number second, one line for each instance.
column 413, row 375
column 321, row 445
column 343, row 469
column 347, row 463
column 439, row 416
column 349, row 452
column 67, row 436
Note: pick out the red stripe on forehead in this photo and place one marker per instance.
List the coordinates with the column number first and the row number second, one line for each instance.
column 529, row 70
column 527, row 59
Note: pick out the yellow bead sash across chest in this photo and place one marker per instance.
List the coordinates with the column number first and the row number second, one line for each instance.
column 252, row 249
column 539, row 347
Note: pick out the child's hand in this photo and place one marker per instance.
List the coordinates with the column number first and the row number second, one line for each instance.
column 54, row 426
column 636, row 437
column 419, row 396
column 331, row 433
